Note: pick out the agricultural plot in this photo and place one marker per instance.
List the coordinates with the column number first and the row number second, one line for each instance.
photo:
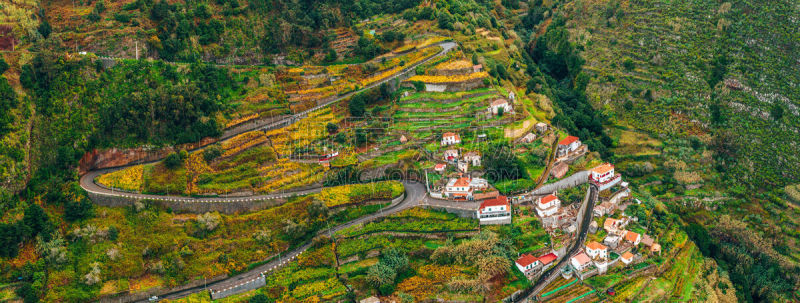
column 571, row 293
column 415, row 220
column 253, row 162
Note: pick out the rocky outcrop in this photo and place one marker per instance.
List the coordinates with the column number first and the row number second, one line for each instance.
column 115, row 157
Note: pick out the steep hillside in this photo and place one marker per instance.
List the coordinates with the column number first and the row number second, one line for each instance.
column 226, row 31
column 726, row 73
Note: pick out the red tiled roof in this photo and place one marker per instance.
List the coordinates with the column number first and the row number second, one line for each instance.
column 525, row 260
column 603, row 168
column 440, row 166
column 609, row 223
column 582, row 258
column 568, row 140
column 627, row 256
column 450, row 134
column 500, row 200
column 546, row 259
column 499, row 102
column 461, row 182
column 631, row 236
column 596, row 246
column 548, row 199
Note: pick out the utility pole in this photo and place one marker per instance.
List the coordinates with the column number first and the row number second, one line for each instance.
column 137, row 49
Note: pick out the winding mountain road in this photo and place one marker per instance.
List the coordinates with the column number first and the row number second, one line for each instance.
column 88, row 184
column 414, row 193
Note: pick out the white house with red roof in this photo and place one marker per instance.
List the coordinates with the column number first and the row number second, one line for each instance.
column 526, row 263
column 440, row 167
column 632, row 237
column 450, row 155
column 596, row 250
column 495, row 211
column 529, row 264
column 603, row 176
column 547, row 205
column 580, row 261
column 450, row 138
column 496, row 105
column 626, row 258
column 462, row 188
column 568, row 145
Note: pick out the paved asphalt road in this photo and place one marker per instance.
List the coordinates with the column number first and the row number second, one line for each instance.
column 87, row 180
column 415, row 193
column 555, row 270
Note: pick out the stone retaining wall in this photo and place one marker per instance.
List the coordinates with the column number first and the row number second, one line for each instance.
column 197, row 207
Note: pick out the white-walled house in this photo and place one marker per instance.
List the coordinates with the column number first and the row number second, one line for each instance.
column 461, row 188
column 526, row 263
column 450, row 155
column 547, row 205
column 495, row 211
column 568, row 145
column 580, row 261
column 473, row 158
column 440, row 168
column 450, row 138
column 626, row 258
column 632, row 237
column 596, row 250
column 496, row 105
column 603, row 176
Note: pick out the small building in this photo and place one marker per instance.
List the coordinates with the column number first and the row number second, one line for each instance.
column 548, row 260
column 478, row 183
column 512, row 96
column 593, row 227
column 450, row 155
column 603, row 176
column 473, row 158
column 495, row 211
column 526, row 263
column 496, row 105
column 656, row 248
column 477, row 68
column 559, row 170
column 604, row 208
column 541, row 127
column 596, row 250
column 626, row 258
column 462, row 166
column 458, row 189
column 450, row 138
column 580, row 261
column 568, row 145
column 547, row 205
column 612, row 225
column 462, row 188
column 612, row 240
column 632, row 237
column 440, row 168
column 647, row 241
column 530, row 137
column 403, row 139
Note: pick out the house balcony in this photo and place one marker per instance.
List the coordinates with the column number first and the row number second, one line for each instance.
column 607, row 183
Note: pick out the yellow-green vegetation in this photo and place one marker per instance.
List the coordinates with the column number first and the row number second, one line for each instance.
column 198, row 297
column 358, row 193
column 415, row 220
column 448, row 79
column 390, row 158
column 143, row 246
column 127, row 179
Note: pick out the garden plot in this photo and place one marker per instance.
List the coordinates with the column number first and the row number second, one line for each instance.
column 576, row 291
